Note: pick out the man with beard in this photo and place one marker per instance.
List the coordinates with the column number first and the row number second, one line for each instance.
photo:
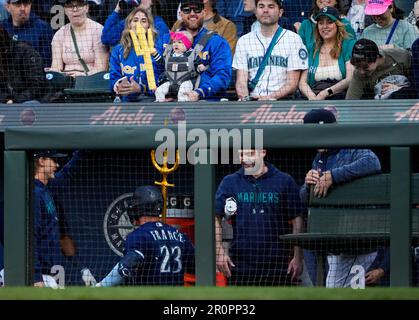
column 269, row 61
column 373, row 65
column 216, row 53
column 24, row 25
column 261, row 203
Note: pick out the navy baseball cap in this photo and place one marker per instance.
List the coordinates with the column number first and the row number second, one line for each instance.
column 19, row 1
column 330, row 12
column 49, row 154
column 319, row 116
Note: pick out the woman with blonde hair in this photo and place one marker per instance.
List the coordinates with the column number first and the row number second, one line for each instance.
column 127, row 70
column 330, row 70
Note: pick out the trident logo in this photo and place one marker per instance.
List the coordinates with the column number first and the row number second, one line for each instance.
column 164, row 170
column 144, row 46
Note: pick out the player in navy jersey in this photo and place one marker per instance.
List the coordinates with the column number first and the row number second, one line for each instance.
column 48, row 250
column 155, row 253
column 262, row 203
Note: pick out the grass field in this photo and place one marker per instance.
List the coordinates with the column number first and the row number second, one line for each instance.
column 208, row 293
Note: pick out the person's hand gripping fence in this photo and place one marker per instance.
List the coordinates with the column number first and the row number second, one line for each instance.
column 144, row 46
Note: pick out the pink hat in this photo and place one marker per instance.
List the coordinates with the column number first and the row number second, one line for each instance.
column 377, row 7
column 181, row 37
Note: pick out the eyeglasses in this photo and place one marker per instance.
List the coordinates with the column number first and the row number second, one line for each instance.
column 188, row 10
column 74, row 5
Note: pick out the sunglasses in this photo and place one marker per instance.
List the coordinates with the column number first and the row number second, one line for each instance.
column 188, row 10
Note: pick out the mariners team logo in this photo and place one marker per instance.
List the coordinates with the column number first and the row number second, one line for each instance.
column 116, row 224
column 303, row 54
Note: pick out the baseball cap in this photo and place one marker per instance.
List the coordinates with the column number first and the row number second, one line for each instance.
column 377, row 7
column 364, row 50
column 70, row 1
column 186, row 3
column 49, row 154
column 330, row 12
column 319, row 116
column 16, row 1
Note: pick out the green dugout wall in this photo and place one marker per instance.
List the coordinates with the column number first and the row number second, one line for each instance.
column 400, row 137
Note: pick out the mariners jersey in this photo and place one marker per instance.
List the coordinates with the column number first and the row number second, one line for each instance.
column 288, row 54
column 265, row 207
column 164, row 252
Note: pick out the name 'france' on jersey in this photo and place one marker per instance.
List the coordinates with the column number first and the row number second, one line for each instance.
column 288, row 54
column 166, row 254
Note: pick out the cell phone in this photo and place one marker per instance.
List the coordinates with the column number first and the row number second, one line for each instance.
column 123, row 79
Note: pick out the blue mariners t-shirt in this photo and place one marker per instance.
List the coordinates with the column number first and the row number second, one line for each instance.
column 165, row 252
column 265, row 207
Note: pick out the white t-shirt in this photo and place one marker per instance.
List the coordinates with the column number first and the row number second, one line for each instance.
column 288, row 54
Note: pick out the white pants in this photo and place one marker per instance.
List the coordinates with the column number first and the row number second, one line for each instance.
column 339, row 275
column 163, row 89
column 49, row 281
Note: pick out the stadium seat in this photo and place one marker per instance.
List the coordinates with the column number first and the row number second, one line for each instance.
column 94, row 88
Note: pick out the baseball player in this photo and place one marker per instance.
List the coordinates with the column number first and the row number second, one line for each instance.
column 47, row 229
column 262, row 203
column 155, row 253
column 288, row 57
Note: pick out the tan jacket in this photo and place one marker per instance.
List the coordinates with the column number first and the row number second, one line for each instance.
column 224, row 27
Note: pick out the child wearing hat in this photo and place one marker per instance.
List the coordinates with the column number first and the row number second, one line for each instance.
column 178, row 76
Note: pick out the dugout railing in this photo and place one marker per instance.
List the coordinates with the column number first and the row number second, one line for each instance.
column 19, row 142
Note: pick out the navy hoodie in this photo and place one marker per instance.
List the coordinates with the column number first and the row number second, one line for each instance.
column 265, row 207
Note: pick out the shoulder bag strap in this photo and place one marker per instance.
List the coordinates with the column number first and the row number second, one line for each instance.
column 253, row 83
column 82, row 62
column 393, row 28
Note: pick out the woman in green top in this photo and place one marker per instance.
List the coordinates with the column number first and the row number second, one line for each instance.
column 329, row 69
column 307, row 27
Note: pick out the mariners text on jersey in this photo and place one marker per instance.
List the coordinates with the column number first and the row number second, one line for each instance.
column 258, row 197
column 278, row 61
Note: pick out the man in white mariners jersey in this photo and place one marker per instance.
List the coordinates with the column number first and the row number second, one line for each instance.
column 288, row 57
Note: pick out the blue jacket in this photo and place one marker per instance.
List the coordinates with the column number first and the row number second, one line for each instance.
column 158, row 254
column 133, row 65
column 36, row 32
column 217, row 55
column 112, row 30
column 345, row 165
column 47, row 232
column 264, row 208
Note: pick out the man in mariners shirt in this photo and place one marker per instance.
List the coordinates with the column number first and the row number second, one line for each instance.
column 48, row 249
column 155, row 253
column 216, row 78
column 260, row 201
column 285, row 53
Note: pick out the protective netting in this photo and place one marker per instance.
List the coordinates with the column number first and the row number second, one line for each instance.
column 93, row 199
column 83, row 51
column 83, row 221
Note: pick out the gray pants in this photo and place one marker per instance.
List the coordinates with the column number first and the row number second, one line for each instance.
column 339, row 275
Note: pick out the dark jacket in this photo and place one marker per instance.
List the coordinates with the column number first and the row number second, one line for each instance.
column 26, row 76
column 36, row 32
